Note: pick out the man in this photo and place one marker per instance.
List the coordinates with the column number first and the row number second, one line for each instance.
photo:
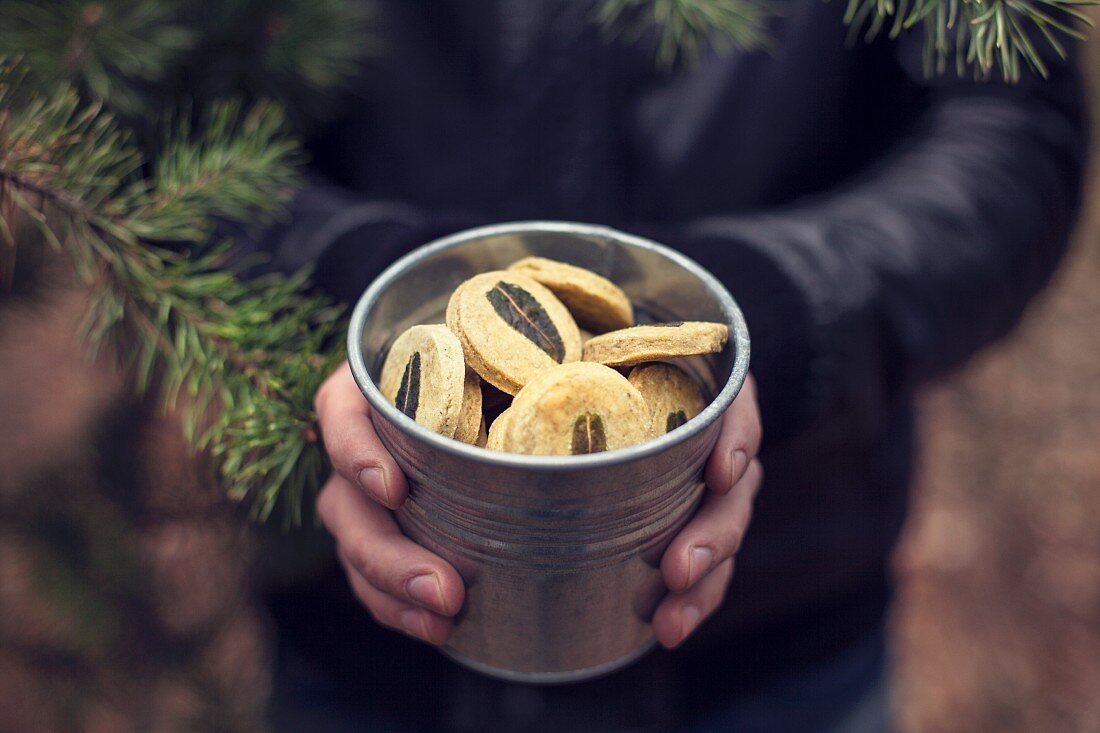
column 876, row 226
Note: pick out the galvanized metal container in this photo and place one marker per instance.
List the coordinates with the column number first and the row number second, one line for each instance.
column 560, row 555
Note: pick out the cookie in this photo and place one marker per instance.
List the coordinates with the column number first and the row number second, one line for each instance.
column 673, row 396
column 424, row 376
column 511, row 328
column 495, row 439
column 574, row 409
column 469, row 421
column 656, row 341
column 482, row 434
column 595, row 302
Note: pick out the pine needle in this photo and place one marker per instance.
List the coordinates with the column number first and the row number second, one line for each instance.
column 986, row 37
column 687, row 29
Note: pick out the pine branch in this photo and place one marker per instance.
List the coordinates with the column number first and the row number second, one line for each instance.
column 685, row 29
column 248, row 355
column 985, row 36
column 139, row 57
column 215, row 175
column 318, row 43
column 111, row 50
column 300, row 52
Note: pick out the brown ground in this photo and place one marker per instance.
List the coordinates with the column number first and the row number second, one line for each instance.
column 997, row 627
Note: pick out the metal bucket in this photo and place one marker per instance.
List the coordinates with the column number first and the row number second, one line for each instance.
column 560, row 555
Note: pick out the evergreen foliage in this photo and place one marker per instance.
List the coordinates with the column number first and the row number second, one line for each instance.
column 987, row 37
column 248, row 354
column 685, row 29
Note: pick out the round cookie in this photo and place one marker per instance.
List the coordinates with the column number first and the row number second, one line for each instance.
column 672, row 395
column 423, row 376
column 595, row 302
column 511, row 328
column 482, row 434
column 469, row 421
column 574, row 409
column 656, row 341
column 495, row 438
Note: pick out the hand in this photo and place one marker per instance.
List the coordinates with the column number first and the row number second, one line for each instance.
column 698, row 564
column 403, row 585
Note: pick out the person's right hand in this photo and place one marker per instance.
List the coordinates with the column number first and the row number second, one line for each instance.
column 402, row 585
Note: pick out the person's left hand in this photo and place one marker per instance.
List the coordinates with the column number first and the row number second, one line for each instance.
column 698, row 564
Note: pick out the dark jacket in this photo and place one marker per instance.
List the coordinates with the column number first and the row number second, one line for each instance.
column 876, row 227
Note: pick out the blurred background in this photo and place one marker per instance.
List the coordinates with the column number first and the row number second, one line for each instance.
column 124, row 575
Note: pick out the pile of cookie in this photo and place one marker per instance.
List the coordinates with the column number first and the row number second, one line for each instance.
column 512, row 355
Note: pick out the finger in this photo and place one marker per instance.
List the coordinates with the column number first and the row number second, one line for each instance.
column 713, row 534
column 680, row 614
column 370, row 542
column 351, row 442
column 738, row 441
column 401, row 616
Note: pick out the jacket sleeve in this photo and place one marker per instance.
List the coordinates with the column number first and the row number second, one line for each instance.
column 347, row 238
column 857, row 295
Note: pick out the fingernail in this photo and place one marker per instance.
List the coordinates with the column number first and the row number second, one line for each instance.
column 412, row 621
column 699, row 562
column 689, row 619
column 739, row 462
column 373, row 481
column 425, row 589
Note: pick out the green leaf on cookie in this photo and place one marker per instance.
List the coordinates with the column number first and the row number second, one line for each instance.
column 588, row 434
column 523, row 312
column 675, row 420
column 408, row 395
